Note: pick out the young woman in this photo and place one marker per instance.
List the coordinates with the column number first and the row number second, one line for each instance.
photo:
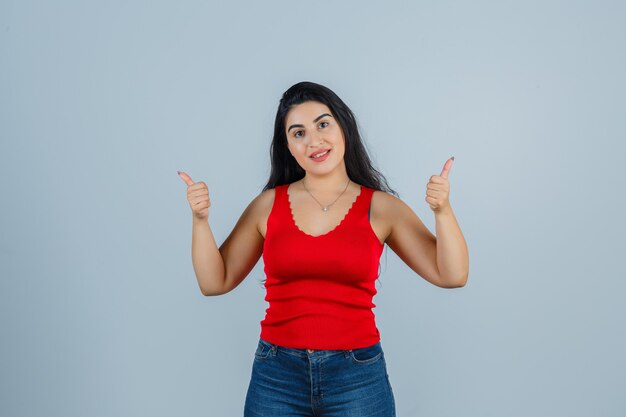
column 320, row 224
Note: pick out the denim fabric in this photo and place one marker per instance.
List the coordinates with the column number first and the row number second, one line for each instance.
column 289, row 382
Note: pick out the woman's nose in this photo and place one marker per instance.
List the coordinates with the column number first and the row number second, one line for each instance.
column 315, row 139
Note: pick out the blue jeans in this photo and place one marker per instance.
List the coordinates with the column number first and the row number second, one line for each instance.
column 288, row 382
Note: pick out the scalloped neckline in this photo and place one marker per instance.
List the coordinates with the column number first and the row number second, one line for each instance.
column 293, row 220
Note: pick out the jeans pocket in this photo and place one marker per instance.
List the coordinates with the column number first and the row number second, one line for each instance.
column 263, row 349
column 367, row 355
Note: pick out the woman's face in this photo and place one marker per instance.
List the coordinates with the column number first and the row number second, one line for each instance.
column 311, row 129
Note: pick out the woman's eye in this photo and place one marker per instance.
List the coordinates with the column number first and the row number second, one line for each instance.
column 297, row 133
column 324, row 123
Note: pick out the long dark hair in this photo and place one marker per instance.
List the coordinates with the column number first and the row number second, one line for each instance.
column 285, row 168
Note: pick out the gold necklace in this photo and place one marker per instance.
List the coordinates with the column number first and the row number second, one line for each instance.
column 325, row 209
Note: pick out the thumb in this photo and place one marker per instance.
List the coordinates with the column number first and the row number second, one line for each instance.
column 446, row 168
column 185, row 177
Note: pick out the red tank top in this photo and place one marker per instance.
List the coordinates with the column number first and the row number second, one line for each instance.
column 320, row 288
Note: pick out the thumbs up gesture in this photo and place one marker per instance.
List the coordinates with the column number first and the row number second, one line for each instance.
column 438, row 189
column 198, row 197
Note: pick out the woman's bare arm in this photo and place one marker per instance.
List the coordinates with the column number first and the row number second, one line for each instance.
column 244, row 246
column 206, row 258
column 220, row 270
column 410, row 239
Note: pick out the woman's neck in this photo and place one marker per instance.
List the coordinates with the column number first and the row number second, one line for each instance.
column 331, row 184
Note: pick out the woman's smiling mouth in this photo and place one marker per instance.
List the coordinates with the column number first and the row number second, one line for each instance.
column 320, row 156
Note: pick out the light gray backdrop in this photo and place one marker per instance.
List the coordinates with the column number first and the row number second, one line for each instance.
column 102, row 102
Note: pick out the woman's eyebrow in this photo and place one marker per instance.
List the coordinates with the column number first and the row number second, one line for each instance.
column 316, row 119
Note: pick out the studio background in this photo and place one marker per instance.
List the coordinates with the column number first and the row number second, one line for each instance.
column 101, row 103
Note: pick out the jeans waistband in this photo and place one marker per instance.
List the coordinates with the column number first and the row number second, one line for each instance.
column 307, row 352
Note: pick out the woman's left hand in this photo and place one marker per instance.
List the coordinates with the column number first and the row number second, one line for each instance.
column 438, row 189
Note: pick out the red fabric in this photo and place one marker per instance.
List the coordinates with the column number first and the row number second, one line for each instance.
column 320, row 289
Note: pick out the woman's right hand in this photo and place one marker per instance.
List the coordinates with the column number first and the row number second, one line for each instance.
column 198, row 197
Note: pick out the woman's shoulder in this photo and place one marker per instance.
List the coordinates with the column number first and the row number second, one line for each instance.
column 385, row 198
column 263, row 202
column 264, row 199
column 386, row 205
column 261, row 207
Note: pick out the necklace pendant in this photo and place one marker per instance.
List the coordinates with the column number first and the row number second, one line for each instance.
column 324, row 209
